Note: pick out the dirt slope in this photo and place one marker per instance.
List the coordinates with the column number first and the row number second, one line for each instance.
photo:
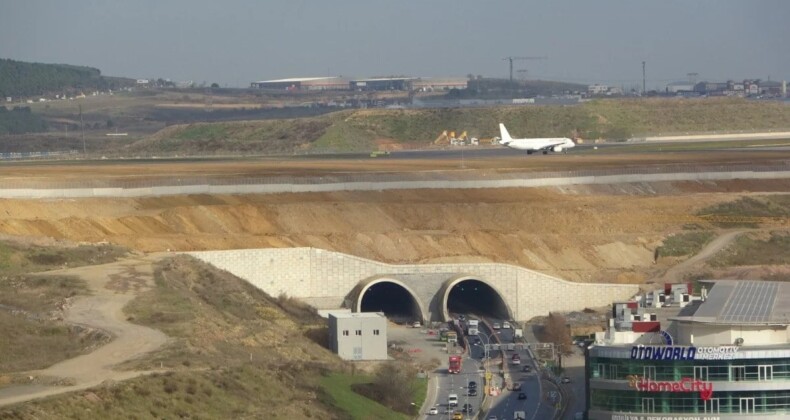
column 581, row 233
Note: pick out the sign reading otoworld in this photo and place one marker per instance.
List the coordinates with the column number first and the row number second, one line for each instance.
column 642, row 352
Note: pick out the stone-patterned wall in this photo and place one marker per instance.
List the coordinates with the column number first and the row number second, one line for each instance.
column 317, row 275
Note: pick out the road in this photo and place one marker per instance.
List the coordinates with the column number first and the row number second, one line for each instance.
column 459, row 384
column 504, row 405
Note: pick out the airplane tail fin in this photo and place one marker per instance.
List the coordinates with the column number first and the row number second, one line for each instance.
column 505, row 136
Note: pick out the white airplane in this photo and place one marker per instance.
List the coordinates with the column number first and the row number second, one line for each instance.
column 556, row 144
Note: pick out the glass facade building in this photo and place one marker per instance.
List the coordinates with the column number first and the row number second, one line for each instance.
column 754, row 382
column 723, row 356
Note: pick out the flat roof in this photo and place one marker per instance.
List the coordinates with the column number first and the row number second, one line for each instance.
column 297, row 79
column 735, row 302
column 357, row 315
column 385, row 79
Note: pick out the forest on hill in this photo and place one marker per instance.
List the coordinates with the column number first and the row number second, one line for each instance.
column 19, row 78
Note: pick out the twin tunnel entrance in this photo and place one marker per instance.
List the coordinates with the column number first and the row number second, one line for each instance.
column 399, row 302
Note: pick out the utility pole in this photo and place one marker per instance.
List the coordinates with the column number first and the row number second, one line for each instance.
column 510, row 59
column 644, row 84
column 82, row 127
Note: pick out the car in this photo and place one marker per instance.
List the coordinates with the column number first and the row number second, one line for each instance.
column 458, row 416
column 477, row 341
column 416, row 324
column 517, row 386
column 472, row 385
column 452, row 400
column 506, row 325
column 461, row 318
column 516, row 359
column 522, row 396
column 434, row 410
column 496, row 326
column 566, row 380
column 467, row 408
column 472, row 392
column 526, row 368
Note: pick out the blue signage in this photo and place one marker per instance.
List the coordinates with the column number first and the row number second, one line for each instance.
column 663, row 352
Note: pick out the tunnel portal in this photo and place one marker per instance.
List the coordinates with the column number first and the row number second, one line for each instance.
column 472, row 296
column 397, row 303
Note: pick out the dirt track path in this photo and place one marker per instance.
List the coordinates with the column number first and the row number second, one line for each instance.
column 676, row 273
column 112, row 286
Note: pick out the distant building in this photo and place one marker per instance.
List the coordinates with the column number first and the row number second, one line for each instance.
column 597, row 89
column 770, row 87
column 430, row 84
column 142, row 81
column 680, row 87
column 383, row 83
column 358, row 335
column 303, row 83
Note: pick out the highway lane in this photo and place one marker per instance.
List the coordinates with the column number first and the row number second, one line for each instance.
column 459, row 384
column 507, row 403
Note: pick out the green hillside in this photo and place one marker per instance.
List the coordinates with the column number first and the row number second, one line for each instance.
column 360, row 130
column 19, row 78
column 20, row 120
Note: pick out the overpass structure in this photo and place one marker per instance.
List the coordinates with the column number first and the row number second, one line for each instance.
column 425, row 292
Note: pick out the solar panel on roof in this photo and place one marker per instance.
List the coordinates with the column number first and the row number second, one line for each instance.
column 750, row 302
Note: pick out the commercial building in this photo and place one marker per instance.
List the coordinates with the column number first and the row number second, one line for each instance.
column 722, row 355
column 358, row 335
column 383, row 83
column 303, row 83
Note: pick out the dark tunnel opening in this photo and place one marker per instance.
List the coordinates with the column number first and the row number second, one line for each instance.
column 476, row 297
column 393, row 299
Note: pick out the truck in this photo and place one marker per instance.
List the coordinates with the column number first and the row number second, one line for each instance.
column 455, row 364
column 519, row 415
column 471, row 327
column 452, row 337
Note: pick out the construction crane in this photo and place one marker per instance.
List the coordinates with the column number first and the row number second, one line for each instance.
column 511, row 59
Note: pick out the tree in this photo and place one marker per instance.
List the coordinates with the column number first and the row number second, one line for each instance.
column 556, row 330
column 215, row 85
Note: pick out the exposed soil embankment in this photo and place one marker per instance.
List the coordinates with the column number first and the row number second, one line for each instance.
column 582, row 233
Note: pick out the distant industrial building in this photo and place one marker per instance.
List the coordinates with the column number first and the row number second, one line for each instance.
column 383, row 83
column 358, row 335
column 598, row 90
column 427, row 84
column 680, row 87
column 743, row 88
column 724, row 354
column 303, row 83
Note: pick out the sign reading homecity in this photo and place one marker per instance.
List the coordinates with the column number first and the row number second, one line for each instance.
column 642, row 352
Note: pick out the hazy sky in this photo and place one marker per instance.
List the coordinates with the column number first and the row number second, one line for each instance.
column 234, row 42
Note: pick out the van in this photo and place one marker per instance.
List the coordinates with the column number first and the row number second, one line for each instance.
column 452, row 400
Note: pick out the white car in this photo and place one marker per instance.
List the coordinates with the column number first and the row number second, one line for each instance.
column 433, row 410
column 506, row 325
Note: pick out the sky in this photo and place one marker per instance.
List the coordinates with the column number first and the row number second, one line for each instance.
column 235, row 42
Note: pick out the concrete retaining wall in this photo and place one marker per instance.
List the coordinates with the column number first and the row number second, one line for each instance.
column 326, row 279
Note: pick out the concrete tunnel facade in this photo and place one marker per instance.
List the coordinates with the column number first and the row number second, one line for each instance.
column 332, row 280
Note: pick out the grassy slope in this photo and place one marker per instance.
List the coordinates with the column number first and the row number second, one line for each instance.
column 360, row 129
column 30, row 304
column 235, row 353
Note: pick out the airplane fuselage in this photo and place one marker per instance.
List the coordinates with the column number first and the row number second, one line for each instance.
column 545, row 145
